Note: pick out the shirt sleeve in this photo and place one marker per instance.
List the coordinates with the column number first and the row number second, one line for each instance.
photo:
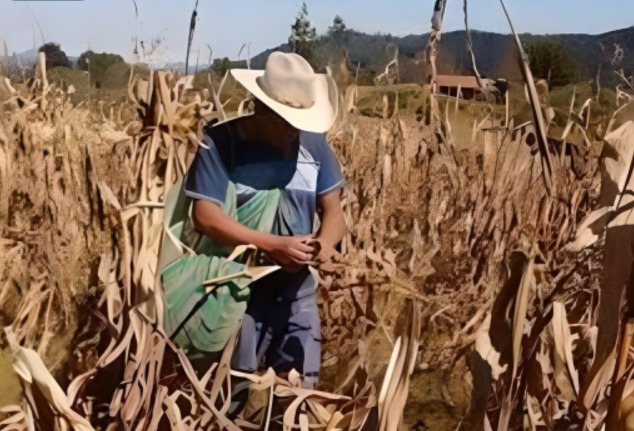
column 330, row 174
column 207, row 177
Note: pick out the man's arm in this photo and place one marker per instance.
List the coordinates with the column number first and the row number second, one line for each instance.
column 333, row 223
column 209, row 219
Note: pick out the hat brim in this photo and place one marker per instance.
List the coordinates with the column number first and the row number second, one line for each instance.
column 319, row 118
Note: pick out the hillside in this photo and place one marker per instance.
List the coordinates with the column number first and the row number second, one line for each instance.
column 494, row 52
column 29, row 58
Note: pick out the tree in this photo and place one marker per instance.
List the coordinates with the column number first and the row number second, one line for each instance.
column 338, row 32
column 220, row 66
column 303, row 35
column 551, row 61
column 55, row 57
column 84, row 60
column 99, row 68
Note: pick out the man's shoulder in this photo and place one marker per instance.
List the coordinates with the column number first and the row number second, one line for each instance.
column 313, row 142
column 218, row 136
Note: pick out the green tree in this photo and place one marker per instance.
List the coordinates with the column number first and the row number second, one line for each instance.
column 99, row 66
column 55, row 57
column 338, row 32
column 220, row 66
column 83, row 60
column 303, row 36
column 551, row 61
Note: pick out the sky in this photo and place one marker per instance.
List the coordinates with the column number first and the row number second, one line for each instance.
column 226, row 25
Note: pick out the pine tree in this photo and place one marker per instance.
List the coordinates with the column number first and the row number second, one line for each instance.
column 338, row 32
column 551, row 61
column 303, row 35
column 221, row 66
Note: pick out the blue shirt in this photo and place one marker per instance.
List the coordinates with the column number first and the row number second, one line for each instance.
column 308, row 170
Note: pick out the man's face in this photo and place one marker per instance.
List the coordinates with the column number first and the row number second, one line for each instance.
column 267, row 113
column 264, row 111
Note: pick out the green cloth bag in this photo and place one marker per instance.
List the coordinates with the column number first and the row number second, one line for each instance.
column 189, row 258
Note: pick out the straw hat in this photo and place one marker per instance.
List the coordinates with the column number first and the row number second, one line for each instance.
column 290, row 87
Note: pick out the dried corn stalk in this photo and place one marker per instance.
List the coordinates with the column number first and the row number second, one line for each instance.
column 140, row 379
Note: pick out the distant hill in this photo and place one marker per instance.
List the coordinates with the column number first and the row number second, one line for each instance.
column 29, row 58
column 26, row 58
column 495, row 53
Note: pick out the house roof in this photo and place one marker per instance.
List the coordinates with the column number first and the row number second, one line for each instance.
column 457, row 80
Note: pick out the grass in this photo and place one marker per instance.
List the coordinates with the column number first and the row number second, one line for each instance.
column 411, row 98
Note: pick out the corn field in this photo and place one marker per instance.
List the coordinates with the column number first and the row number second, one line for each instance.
column 485, row 263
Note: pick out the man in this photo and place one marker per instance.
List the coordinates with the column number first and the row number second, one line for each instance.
column 276, row 166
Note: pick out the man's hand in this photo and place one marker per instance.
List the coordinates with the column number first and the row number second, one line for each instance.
column 290, row 252
column 332, row 229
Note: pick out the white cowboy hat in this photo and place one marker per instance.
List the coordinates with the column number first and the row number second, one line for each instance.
column 291, row 88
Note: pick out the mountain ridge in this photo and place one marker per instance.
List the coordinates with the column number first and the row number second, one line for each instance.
column 495, row 52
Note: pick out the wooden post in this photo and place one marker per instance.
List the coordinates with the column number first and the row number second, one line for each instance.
column 507, row 108
column 626, row 342
column 458, row 97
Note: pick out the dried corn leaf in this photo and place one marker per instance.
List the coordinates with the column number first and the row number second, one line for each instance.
column 527, row 284
column 29, row 366
column 566, row 376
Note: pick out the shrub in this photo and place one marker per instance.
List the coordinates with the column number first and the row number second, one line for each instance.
column 99, row 65
column 55, row 57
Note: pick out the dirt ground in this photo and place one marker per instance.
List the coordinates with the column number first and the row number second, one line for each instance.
column 10, row 390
